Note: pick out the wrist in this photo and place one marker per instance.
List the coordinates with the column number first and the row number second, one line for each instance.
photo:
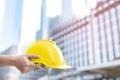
column 12, row 60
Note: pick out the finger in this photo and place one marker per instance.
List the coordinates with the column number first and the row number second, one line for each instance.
column 38, row 66
column 27, row 68
column 32, row 56
column 32, row 65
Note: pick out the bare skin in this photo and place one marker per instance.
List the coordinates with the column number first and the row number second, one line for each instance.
column 21, row 62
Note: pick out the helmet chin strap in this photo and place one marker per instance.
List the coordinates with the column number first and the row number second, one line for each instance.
column 40, row 66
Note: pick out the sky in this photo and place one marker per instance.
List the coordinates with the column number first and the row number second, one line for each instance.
column 30, row 20
column 31, row 15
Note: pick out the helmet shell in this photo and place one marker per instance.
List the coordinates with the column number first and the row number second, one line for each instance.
column 50, row 54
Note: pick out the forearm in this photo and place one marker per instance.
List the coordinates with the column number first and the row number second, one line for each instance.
column 6, row 60
column 21, row 62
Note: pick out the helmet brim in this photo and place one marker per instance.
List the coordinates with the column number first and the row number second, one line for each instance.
column 64, row 67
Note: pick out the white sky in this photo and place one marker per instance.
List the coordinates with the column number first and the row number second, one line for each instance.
column 80, row 8
column 2, row 10
column 30, row 20
column 54, row 7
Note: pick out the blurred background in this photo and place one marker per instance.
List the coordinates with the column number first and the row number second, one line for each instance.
column 87, row 32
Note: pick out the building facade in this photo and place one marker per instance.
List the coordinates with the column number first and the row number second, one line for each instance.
column 91, row 45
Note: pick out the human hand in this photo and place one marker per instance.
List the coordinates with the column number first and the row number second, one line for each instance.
column 23, row 63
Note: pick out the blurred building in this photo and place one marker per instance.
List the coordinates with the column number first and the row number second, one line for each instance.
column 11, row 26
column 42, row 33
column 91, row 45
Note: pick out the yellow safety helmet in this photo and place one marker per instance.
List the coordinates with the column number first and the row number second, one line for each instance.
column 50, row 54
